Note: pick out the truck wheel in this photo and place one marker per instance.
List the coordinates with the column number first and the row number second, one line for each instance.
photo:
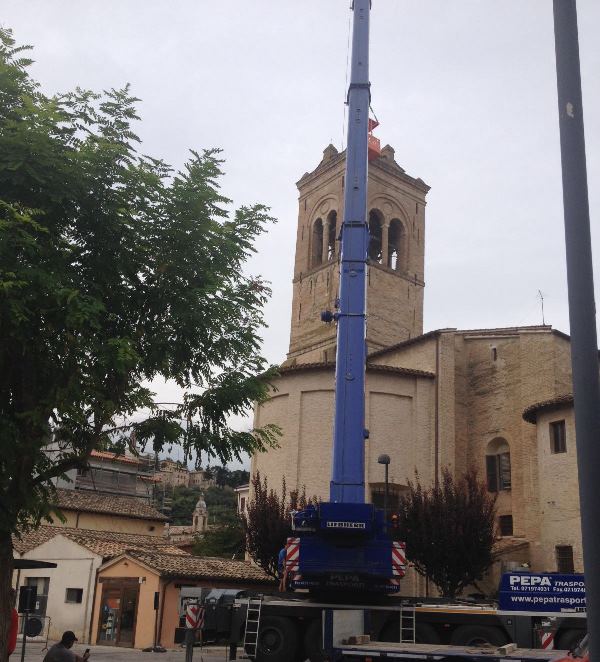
column 277, row 640
column 426, row 634
column 313, row 641
column 568, row 639
column 478, row 635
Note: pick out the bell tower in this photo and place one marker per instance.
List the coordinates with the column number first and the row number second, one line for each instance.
column 396, row 204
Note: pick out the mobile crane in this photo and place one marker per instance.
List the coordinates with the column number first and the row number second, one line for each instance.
column 344, row 543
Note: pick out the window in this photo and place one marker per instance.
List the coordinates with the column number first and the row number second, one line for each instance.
column 497, row 464
column 331, row 234
column 564, row 559
column 494, row 353
column 375, row 222
column 558, row 437
column 317, row 243
column 396, row 245
column 242, row 504
column 74, row 595
column 506, row 525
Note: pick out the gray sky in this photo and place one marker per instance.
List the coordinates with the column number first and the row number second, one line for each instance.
column 465, row 91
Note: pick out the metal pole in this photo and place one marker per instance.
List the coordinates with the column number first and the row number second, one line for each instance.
column 26, row 613
column 385, row 499
column 582, row 309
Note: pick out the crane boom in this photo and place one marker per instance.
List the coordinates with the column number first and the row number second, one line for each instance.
column 343, row 544
column 347, row 475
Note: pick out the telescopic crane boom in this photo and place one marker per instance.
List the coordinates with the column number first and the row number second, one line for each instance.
column 344, row 543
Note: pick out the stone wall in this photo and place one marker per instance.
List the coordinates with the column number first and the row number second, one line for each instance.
column 558, row 492
column 399, row 416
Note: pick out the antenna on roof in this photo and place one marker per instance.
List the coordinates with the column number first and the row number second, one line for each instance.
column 541, row 296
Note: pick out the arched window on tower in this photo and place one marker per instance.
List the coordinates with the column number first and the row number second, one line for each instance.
column 497, row 464
column 375, row 223
column 396, row 246
column 332, row 235
column 317, row 243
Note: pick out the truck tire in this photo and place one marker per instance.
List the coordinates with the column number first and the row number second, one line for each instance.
column 313, row 641
column 568, row 639
column 426, row 634
column 278, row 640
column 478, row 635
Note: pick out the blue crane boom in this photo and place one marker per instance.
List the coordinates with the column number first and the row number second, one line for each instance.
column 347, row 476
column 344, row 543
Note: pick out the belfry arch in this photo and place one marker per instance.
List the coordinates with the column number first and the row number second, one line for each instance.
column 317, row 243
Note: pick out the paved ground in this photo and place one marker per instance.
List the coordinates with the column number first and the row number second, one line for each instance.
column 34, row 653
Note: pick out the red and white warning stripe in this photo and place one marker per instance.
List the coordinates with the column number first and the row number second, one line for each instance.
column 398, row 559
column 548, row 640
column 192, row 615
column 292, row 554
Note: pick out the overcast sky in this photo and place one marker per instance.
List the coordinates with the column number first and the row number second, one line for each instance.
column 465, row 91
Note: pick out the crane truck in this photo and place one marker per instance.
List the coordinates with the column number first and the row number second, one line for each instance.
column 342, row 547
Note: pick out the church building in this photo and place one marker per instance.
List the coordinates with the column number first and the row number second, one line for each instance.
column 497, row 400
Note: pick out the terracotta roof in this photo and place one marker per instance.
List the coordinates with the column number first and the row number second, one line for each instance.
column 530, row 414
column 371, row 367
column 93, row 502
column 201, row 567
column 114, row 457
column 104, row 543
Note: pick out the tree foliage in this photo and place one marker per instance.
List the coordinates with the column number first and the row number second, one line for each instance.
column 267, row 522
column 114, row 270
column 220, row 501
column 449, row 530
column 227, row 540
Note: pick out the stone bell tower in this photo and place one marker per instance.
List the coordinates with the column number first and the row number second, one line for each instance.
column 396, row 208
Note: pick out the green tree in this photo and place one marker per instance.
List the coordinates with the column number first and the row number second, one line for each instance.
column 225, row 541
column 114, row 270
column 449, row 530
column 267, row 522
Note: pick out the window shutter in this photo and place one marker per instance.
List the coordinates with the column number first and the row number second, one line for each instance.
column 505, row 478
column 492, row 472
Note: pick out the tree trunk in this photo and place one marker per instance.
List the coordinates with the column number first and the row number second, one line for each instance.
column 6, row 602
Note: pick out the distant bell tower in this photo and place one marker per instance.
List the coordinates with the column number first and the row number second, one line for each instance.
column 396, row 204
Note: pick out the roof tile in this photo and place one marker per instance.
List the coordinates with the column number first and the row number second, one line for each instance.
column 94, row 502
column 201, row 567
column 106, row 544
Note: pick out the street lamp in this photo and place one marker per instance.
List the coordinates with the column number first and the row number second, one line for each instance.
column 385, row 460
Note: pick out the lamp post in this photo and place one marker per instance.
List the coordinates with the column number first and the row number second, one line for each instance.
column 385, row 460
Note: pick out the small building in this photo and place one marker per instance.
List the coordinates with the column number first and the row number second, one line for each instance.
column 200, row 479
column 131, row 584
column 243, row 496
column 103, row 512
column 174, row 474
column 65, row 594
column 112, row 473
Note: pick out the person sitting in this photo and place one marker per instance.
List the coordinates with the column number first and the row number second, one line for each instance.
column 61, row 652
